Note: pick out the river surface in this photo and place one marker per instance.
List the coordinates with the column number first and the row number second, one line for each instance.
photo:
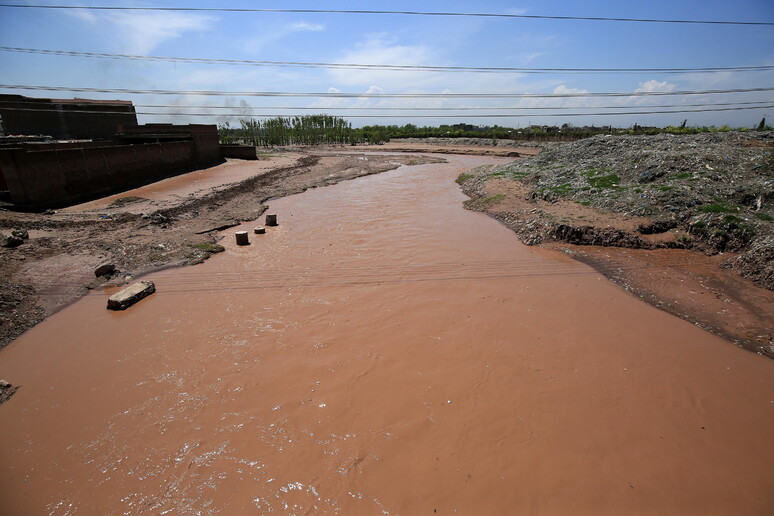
column 383, row 351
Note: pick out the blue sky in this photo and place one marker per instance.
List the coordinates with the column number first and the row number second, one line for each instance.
column 399, row 40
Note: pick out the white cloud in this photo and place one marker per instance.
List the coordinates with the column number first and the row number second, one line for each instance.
column 305, row 27
column 563, row 90
column 379, row 51
column 266, row 37
column 655, row 86
column 140, row 32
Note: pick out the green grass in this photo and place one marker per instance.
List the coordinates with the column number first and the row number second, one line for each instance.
column 732, row 219
column 510, row 174
column 764, row 216
column 463, row 177
column 492, row 199
column 663, row 188
column 602, row 178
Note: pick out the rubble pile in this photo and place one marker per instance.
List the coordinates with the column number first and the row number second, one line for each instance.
column 718, row 187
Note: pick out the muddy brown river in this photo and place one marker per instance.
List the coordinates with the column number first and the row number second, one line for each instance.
column 383, row 351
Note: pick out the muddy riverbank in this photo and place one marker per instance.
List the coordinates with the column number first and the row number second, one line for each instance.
column 383, row 351
column 674, row 219
column 171, row 222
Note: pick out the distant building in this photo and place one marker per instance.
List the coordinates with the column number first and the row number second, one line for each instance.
column 65, row 119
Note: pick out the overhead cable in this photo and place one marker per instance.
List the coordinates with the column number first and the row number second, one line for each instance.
column 387, row 67
column 479, row 115
column 338, row 94
column 411, row 108
column 383, row 12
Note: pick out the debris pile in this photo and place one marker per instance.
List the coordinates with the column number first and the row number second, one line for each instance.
column 716, row 187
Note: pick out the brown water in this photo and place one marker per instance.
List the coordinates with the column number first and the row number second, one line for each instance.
column 383, row 351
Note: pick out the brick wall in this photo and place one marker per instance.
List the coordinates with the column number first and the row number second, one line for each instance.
column 40, row 179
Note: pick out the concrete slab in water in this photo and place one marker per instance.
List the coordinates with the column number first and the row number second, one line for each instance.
column 130, row 295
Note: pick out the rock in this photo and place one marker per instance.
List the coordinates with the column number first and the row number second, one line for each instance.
column 130, row 295
column 10, row 241
column 106, row 269
column 20, row 233
column 6, row 390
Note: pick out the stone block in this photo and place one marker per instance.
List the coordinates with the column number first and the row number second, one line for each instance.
column 130, row 295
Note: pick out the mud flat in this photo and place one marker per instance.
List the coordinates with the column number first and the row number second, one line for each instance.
column 383, row 351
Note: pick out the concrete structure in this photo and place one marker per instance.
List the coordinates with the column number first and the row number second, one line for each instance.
column 45, row 175
column 239, row 151
column 65, row 119
column 130, row 295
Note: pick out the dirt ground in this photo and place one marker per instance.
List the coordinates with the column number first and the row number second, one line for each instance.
column 152, row 227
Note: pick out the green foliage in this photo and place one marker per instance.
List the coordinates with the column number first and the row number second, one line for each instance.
column 561, row 190
column 463, row 177
column 764, row 216
column 492, row 199
column 716, row 208
column 297, row 130
column 600, row 178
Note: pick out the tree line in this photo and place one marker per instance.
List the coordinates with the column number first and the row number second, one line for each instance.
column 327, row 130
column 296, row 130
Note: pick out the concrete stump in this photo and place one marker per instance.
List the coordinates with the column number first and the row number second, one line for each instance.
column 130, row 295
column 242, row 238
column 260, row 230
column 271, row 219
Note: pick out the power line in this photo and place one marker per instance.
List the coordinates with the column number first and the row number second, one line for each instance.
column 478, row 115
column 382, row 12
column 386, row 67
column 376, row 95
column 395, row 108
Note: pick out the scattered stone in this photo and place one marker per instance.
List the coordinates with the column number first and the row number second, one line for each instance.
column 106, row 269
column 6, row 390
column 130, row 295
column 10, row 241
column 21, row 233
